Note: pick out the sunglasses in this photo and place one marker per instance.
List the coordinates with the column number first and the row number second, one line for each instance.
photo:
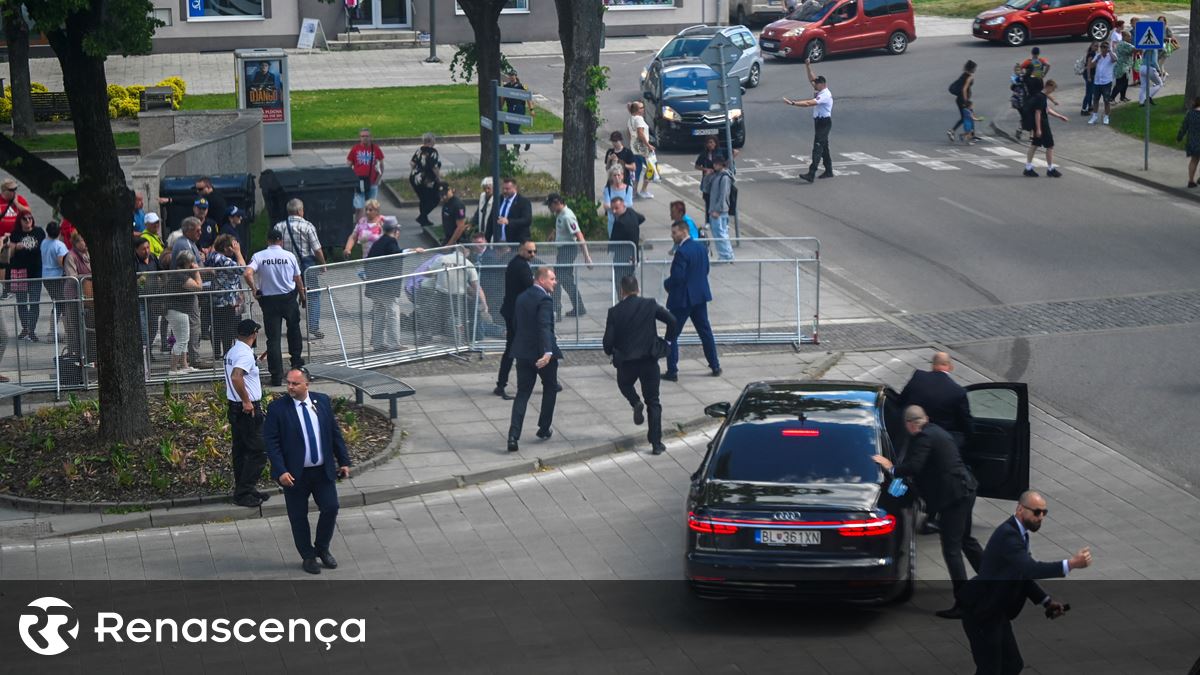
column 1037, row 512
column 531, row 251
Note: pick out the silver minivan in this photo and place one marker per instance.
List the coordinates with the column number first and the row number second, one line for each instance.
column 689, row 42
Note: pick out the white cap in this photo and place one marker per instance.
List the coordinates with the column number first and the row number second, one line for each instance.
column 151, row 217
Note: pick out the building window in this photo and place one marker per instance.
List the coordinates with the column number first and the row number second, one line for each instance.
column 162, row 14
column 512, row 7
column 639, row 4
column 225, row 10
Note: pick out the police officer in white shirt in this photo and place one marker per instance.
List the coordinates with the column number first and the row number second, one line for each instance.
column 280, row 290
column 822, row 105
column 300, row 238
column 244, row 392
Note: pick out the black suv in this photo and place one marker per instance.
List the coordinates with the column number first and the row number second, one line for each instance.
column 677, row 107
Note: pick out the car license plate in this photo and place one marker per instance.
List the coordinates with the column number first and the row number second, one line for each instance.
column 705, row 132
column 769, row 44
column 790, row 537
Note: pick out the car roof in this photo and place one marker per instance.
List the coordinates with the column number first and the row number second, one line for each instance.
column 788, row 398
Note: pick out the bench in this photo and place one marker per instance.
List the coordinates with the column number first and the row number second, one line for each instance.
column 49, row 104
column 373, row 384
column 15, row 392
column 156, row 97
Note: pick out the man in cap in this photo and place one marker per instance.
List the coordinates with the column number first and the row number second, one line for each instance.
column 822, row 105
column 280, row 291
column 208, row 226
column 153, row 234
column 570, row 241
column 243, row 390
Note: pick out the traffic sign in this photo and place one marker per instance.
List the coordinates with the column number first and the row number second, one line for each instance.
column 509, row 92
column 733, row 88
column 513, row 118
column 720, row 53
column 485, row 122
column 526, row 139
column 1149, row 35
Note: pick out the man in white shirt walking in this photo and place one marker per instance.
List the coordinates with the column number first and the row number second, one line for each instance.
column 280, row 291
column 243, row 390
column 822, row 105
column 300, row 238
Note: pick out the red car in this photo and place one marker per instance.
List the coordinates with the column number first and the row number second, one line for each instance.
column 838, row 26
column 1017, row 21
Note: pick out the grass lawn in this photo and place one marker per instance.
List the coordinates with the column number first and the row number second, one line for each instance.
column 969, row 8
column 125, row 139
column 390, row 112
column 1165, row 118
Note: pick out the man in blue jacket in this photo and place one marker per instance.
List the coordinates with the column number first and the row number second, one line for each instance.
column 688, row 296
column 308, row 454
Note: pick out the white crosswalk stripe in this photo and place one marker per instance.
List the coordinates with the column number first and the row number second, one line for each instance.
column 908, row 154
column 859, row 157
column 938, row 166
column 1004, row 152
column 888, row 167
column 989, row 164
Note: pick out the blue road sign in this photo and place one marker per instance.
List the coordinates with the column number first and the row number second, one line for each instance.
column 1148, row 35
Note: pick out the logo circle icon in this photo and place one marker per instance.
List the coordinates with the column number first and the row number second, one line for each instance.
column 42, row 630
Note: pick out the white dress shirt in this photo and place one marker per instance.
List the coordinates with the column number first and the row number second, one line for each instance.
column 306, row 407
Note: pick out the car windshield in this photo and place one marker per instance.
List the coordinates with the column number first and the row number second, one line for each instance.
column 831, row 445
column 687, row 82
column 812, row 10
column 685, row 47
column 1016, row 4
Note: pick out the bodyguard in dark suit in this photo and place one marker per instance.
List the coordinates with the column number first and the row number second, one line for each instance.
column 944, row 400
column 536, row 352
column 996, row 596
column 512, row 218
column 688, row 296
column 944, row 481
column 631, row 339
column 518, row 276
column 307, row 454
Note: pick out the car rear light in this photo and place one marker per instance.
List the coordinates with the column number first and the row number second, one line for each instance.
column 868, row 528
column 705, row 526
column 707, row 578
column 801, row 433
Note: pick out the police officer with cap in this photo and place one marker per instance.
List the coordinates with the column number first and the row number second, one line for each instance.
column 280, row 291
column 244, row 392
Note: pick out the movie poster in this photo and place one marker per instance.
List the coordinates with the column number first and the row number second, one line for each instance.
column 264, row 89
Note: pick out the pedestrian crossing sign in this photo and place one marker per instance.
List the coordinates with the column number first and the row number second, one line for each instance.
column 1148, row 35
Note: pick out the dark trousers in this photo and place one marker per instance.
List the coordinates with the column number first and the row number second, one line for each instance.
column 566, row 281
column 820, row 151
column 993, row 645
column 224, row 328
column 277, row 309
column 699, row 316
column 428, row 199
column 1120, row 88
column 527, row 375
column 29, row 306
column 645, row 371
column 957, row 541
column 506, row 360
column 313, row 481
column 249, row 452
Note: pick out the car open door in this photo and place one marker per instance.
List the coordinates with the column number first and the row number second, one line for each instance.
column 893, row 421
column 998, row 447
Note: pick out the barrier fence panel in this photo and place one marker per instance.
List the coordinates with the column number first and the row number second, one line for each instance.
column 44, row 330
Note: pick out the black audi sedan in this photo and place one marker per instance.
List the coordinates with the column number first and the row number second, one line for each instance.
column 788, row 503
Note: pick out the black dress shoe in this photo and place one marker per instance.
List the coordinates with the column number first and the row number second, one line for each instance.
column 639, row 413
column 827, row 174
column 262, row 495
column 499, row 391
column 249, row 501
column 513, row 447
column 575, row 311
column 658, row 449
column 545, row 435
column 316, row 335
column 327, row 559
column 310, row 565
column 952, row 613
column 716, row 372
column 808, row 177
column 929, row 527
column 558, row 387
column 671, row 376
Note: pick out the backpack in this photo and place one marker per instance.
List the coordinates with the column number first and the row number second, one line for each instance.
column 956, row 87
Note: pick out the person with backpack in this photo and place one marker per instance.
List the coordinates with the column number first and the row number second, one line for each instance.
column 1041, row 112
column 722, row 200
column 961, row 89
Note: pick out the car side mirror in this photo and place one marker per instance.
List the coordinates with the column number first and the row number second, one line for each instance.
column 717, row 409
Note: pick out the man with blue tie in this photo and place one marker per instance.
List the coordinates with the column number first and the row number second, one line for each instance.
column 512, row 220
column 536, row 352
column 688, row 296
column 308, row 454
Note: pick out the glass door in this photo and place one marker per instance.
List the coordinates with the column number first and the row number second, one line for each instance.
column 383, row 14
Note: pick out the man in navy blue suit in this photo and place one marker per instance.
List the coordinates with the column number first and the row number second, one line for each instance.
column 308, row 454
column 688, row 296
column 1006, row 579
column 536, row 352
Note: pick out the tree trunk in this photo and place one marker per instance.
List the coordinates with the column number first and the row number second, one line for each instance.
column 16, row 33
column 580, row 23
column 484, row 16
column 99, row 205
column 1192, row 86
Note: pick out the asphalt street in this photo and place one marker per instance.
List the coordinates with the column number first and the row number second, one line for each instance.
column 914, row 223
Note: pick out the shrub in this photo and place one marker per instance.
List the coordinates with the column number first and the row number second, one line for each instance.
column 122, row 101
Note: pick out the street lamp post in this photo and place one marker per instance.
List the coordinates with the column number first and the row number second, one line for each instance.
column 433, row 57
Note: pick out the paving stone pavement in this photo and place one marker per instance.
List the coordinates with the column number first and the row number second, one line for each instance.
column 620, row 516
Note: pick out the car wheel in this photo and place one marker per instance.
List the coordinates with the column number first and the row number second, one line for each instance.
column 1098, row 30
column 658, row 139
column 739, row 141
column 1016, row 35
column 897, row 43
column 741, row 16
column 815, row 51
column 755, row 77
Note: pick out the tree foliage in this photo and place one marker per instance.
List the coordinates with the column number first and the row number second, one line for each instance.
column 484, row 17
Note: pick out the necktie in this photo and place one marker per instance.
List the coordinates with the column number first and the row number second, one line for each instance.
column 504, row 214
column 308, row 430
column 1026, row 538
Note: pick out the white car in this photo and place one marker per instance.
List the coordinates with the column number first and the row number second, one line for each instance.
column 689, row 42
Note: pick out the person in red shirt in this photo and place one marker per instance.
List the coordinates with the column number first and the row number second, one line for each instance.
column 366, row 158
column 12, row 205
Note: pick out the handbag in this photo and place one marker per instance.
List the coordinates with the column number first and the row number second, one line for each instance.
column 661, row 348
column 70, row 369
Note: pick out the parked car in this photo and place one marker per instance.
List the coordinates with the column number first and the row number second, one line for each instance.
column 687, row 44
column 677, row 106
column 840, row 26
column 787, row 502
column 742, row 12
column 1018, row 21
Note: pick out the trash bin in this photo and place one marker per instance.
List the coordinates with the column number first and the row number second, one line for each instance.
column 327, row 193
column 236, row 189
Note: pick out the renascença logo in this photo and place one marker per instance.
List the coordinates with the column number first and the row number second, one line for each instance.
column 42, row 631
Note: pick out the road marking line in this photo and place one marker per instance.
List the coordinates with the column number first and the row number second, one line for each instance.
column 988, row 163
column 908, row 154
column 859, row 157
column 972, row 211
column 888, row 167
column 681, row 180
column 666, row 169
column 1004, row 152
column 938, row 166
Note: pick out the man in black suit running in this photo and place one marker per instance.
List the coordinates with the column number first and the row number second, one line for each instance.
column 536, row 352
column 631, row 339
column 996, row 596
column 518, row 276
